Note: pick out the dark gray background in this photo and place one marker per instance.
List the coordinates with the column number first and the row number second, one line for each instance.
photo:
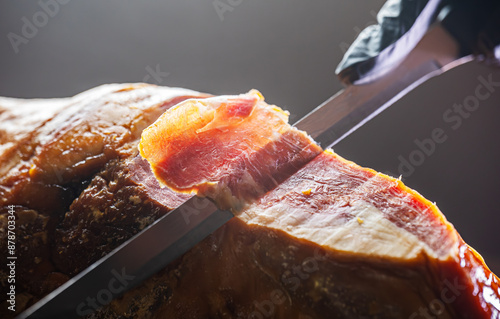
column 288, row 49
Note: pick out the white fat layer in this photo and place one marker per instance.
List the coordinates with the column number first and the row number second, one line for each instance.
column 367, row 232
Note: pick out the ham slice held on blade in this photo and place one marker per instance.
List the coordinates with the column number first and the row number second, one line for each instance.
column 315, row 236
column 231, row 148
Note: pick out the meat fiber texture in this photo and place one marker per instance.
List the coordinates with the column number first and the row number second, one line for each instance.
column 334, row 240
column 68, row 170
column 209, row 146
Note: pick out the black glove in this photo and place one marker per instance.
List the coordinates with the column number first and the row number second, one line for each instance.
column 475, row 24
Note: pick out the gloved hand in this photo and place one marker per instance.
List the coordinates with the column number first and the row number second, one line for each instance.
column 475, row 24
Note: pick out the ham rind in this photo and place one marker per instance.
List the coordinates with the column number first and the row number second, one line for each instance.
column 49, row 143
column 334, row 240
column 53, row 149
column 230, row 148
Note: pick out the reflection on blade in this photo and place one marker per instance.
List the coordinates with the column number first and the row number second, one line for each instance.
column 349, row 109
column 134, row 261
column 343, row 113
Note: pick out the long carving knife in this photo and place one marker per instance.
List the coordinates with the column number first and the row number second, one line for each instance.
column 423, row 54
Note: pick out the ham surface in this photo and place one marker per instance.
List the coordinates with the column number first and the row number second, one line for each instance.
column 334, row 240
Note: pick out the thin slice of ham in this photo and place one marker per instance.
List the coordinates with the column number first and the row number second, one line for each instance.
column 230, row 148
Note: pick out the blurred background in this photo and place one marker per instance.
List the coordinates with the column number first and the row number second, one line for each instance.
column 287, row 49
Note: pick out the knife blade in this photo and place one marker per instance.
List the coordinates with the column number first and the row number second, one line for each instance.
column 176, row 232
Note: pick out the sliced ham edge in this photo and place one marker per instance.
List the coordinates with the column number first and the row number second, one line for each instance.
column 215, row 147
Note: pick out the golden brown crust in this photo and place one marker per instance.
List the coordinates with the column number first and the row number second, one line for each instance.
column 50, row 150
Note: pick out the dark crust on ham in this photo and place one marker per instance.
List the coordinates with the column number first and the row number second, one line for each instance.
column 119, row 202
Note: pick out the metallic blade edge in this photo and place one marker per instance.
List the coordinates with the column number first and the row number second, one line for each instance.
column 367, row 111
column 354, row 106
column 354, row 121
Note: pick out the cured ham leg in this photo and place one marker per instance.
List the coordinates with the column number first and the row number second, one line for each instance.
column 331, row 240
